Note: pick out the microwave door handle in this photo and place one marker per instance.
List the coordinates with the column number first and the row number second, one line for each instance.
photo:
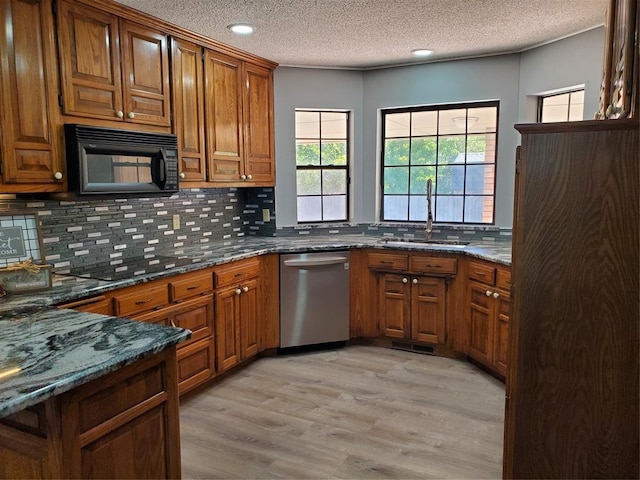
column 163, row 168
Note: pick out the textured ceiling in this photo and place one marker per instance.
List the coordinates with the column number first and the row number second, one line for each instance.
column 366, row 34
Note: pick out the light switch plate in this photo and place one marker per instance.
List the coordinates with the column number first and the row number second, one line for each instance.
column 266, row 215
column 176, row 221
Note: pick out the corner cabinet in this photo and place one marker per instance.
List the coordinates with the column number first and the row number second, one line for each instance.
column 31, row 150
column 112, row 68
column 572, row 386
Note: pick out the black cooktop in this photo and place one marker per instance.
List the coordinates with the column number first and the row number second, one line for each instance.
column 130, row 267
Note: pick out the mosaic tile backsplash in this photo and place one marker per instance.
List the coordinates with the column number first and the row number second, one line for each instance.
column 86, row 232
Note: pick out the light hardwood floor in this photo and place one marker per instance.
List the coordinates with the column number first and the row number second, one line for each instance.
column 355, row 412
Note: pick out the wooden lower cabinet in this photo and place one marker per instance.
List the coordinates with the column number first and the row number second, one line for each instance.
column 122, row 425
column 237, row 320
column 413, row 307
column 488, row 315
column 196, row 364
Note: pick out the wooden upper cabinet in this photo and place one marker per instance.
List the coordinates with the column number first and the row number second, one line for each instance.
column 112, row 69
column 224, row 117
column 29, row 126
column 188, row 109
column 258, row 124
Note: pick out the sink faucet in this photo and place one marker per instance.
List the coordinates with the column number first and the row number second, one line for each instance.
column 429, row 227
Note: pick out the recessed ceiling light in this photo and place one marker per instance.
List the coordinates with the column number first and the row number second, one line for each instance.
column 241, row 28
column 421, row 52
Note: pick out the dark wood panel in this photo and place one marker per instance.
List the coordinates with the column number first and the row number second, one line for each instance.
column 270, row 317
column 573, row 410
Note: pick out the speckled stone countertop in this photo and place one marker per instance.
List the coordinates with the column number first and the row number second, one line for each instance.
column 50, row 352
column 68, row 289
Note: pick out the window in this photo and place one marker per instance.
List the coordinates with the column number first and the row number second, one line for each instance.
column 561, row 107
column 455, row 147
column 322, row 165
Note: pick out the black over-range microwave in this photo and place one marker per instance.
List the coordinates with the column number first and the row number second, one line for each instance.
column 105, row 160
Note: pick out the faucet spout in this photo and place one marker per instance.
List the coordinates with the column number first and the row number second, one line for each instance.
column 429, row 227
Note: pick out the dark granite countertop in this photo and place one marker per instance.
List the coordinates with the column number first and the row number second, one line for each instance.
column 68, row 289
column 47, row 353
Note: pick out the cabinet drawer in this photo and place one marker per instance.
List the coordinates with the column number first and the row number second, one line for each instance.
column 98, row 304
column 195, row 315
column 504, row 279
column 237, row 272
column 482, row 273
column 191, row 286
column 141, row 300
column 388, row 261
column 196, row 364
column 448, row 266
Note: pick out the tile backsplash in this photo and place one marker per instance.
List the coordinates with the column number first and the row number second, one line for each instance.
column 90, row 231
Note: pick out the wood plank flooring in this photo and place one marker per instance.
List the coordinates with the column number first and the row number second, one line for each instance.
column 355, row 412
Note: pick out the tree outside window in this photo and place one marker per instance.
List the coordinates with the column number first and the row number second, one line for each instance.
column 455, row 147
column 322, row 165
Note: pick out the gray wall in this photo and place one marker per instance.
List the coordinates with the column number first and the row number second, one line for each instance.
column 321, row 89
column 512, row 79
column 573, row 61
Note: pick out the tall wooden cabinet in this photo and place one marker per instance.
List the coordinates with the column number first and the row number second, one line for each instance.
column 572, row 388
column 31, row 147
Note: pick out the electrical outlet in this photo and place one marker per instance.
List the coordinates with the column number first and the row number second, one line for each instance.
column 266, row 215
column 176, row 221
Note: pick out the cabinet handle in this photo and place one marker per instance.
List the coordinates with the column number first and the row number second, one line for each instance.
column 415, row 281
column 245, row 289
column 238, row 291
column 57, row 175
column 142, row 302
column 386, row 262
column 193, row 287
column 173, row 324
column 405, row 280
column 488, row 293
column 481, row 274
column 496, row 295
column 131, row 115
column 243, row 177
column 182, row 175
column 249, row 177
column 120, row 114
column 433, row 265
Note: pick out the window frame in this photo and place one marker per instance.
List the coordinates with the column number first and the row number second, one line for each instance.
column 437, row 108
column 320, row 167
column 542, row 98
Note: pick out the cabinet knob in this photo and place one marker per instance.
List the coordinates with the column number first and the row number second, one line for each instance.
column 238, row 291
column 120, row 114
column 182, row 175
column 245, row 289
column 415, row 281
column 131, row 115
column 405, row 280
column 487, row 293
column 496, row 295
column 243, row 177
column 57, row 175
column 249, row 177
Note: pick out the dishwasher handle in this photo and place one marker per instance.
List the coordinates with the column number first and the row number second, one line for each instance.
column 315, row 263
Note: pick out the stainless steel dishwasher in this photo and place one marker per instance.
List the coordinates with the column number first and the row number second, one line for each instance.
column 314, row 298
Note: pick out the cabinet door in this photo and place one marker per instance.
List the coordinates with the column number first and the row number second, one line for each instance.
column 223, row 117
column 501, row 347
column 145, row 75
column 258, row 124
column 89, row 45
column 249, row 306
column 28, row 89
column 188, row 109
column 227, row 328
column 428, row 309
column 196, row 364
column 481, row 328
column 394, row 304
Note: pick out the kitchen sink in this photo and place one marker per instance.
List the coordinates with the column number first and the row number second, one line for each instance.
column 423, row 242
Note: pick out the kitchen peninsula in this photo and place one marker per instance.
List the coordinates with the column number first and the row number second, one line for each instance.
column 85, row 395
